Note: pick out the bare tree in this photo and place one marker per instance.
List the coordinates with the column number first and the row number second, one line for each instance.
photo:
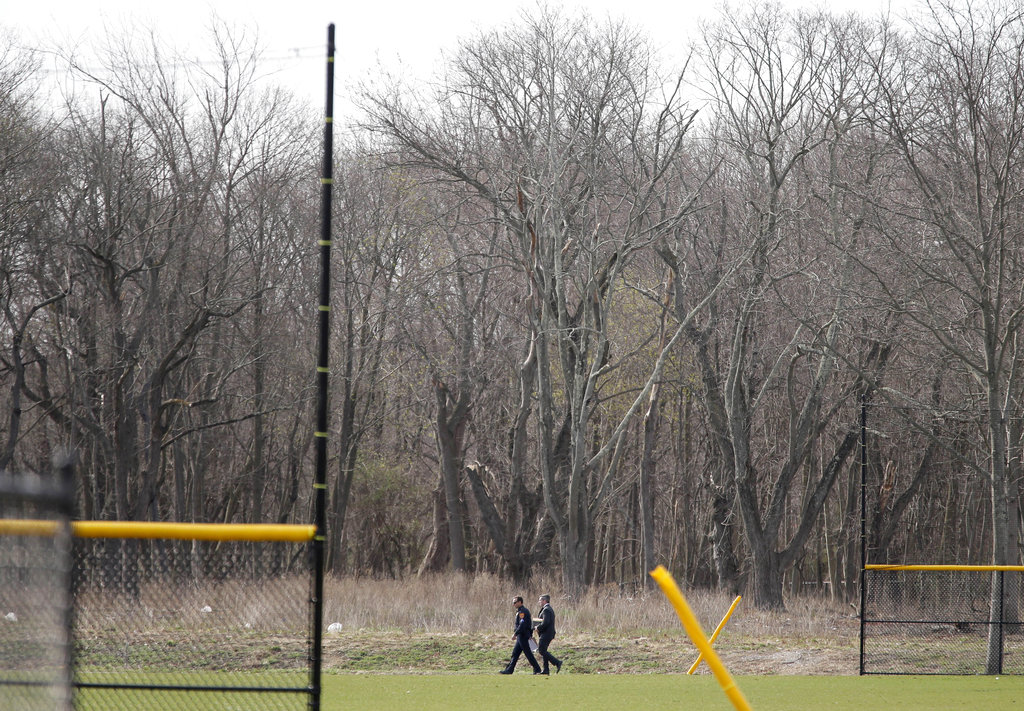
column 952, row 106
column 778, row 101
column 147, row 213
column 29, row 283
column 567, row 131
column 380, row 215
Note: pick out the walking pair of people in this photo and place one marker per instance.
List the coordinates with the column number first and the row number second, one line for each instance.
column 522, row 633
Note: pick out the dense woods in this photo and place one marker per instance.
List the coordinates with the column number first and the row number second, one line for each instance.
column 591, row 311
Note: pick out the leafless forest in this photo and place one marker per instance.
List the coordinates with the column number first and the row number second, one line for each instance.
column 592, row 310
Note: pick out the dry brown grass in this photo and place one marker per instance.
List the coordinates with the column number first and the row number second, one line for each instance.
column 272, row 605
column 604, row 630
column 458, row 623
column 481, row 604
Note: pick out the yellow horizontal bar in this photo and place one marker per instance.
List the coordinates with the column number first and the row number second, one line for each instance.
column 969, row 568
column 27, row 527
column 296, row 533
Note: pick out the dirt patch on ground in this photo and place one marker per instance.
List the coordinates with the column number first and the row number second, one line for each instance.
column 826, row 660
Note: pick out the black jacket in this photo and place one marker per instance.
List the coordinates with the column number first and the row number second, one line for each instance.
column 546, row 628
column 523, row 624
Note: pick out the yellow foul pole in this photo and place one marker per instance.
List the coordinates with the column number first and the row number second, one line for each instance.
column 714, row 635
column 693, row 629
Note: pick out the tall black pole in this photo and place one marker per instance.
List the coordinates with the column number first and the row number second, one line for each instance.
column 64, row 463
column 322, row 372
column 863, row 518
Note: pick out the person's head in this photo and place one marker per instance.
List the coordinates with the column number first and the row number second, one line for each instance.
column 517, row 601
column 544, row 599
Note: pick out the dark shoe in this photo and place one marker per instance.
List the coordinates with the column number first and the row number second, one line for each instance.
column 544, row 673
column 537, row 671
column 505, row 671
column 558, row 667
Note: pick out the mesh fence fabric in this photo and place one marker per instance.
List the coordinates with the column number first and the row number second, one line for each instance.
column 163, row 624
column 34, row 598
column 939, row 622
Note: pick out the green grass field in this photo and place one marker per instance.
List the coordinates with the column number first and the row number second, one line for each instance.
column 636, row 692
column 599, row 692
column 401, row 649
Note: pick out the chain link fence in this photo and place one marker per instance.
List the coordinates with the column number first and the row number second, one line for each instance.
column 35, row 600
column 936, row 620
column 179, row 623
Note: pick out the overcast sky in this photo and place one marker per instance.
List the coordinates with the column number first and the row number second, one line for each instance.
column 294, row 34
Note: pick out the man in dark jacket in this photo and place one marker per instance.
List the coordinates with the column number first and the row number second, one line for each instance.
column 546, row 632
column 522, row 632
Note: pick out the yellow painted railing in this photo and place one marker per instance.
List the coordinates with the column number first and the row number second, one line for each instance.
column 979, row 568
column 295, row 533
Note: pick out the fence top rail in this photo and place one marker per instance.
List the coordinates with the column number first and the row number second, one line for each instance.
column 969, row 568
column 295, row 533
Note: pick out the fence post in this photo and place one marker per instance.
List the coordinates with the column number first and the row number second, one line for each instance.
column 322, row 376
column 64, row 465
column 1002, row 603
column 863, row 515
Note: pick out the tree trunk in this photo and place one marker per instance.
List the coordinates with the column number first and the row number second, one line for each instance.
column 347, row 447
column 723, row 487
column 767, row 578
column 450, row 427
column 647, row 557
column 1000, row 522
column 723, row 547
column 647, row 462
column 436, row 558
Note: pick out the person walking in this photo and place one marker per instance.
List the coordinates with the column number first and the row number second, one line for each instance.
column 522, row 633
column 546, row 633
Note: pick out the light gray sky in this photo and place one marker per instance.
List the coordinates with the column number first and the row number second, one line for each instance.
column 367, row 32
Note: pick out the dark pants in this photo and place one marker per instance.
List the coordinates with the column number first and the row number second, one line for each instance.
column 522, row 647
column 548, row 657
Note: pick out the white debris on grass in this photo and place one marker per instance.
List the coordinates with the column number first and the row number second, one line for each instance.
column 11, row 617
column 207, row 609
column 334, row 627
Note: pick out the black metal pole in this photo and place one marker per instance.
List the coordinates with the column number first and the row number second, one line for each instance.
column 863, row 519
column 322, row 372
column 1002, row 616
column 64, row 464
